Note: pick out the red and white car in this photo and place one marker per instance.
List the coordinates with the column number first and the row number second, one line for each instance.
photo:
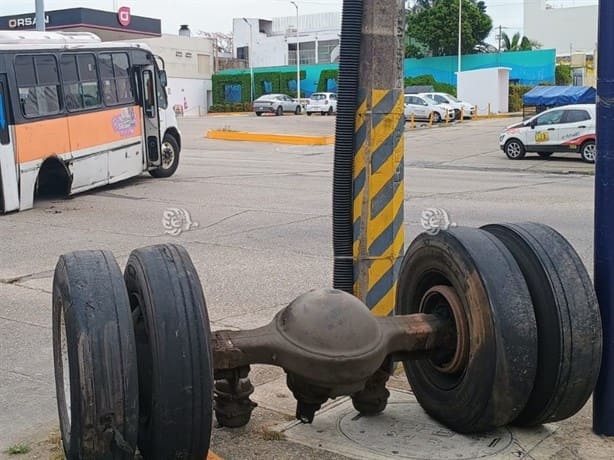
column 570, row 128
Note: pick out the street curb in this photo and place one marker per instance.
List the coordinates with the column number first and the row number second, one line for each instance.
column 228, row 114
column 269, row 137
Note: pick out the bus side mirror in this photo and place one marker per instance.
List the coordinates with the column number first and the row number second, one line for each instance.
column 163, row 78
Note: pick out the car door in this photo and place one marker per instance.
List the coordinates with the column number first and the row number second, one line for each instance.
column 545, row 135
column 576, row 123
column 420, row 108
column 289, row 104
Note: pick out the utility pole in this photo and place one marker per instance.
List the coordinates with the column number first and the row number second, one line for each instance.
column 298, row 59
column 40, row 15
column 500, row 37
column 249, row 56
column 460, row 36
column 378, row 171
column 603, row 398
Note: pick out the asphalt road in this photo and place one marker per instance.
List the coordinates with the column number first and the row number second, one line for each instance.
column 261, row 235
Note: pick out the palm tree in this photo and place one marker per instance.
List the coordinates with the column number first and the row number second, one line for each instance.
column 518, row 43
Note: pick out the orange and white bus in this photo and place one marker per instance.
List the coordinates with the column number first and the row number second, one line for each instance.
column 77, row 113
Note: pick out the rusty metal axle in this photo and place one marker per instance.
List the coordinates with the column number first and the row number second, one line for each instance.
column 329, row 344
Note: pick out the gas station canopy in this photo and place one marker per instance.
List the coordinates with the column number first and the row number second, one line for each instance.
column 109, row 26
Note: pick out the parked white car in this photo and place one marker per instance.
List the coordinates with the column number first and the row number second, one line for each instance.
column 445, row 98
column 570, row 128
column 324, row 103
column 423, row 108
column 277, row 104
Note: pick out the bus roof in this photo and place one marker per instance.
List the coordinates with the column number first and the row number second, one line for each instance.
column 33, row 40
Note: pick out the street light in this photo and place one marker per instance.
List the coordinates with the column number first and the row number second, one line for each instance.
column 298, row 60
column 40, row 15
column 249, row 56
column 460, row 21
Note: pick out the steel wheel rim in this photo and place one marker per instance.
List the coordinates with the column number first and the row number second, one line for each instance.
column 168, row 155
column 64, row 377
column 589, row 152
column 513, row 149
column 442, row 300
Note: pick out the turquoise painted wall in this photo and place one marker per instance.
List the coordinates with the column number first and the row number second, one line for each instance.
column 528, row 68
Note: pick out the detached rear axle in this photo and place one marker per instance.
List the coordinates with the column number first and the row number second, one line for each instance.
column 329, row 344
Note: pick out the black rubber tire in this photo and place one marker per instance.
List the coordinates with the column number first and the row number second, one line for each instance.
column 568, row 321
column 297, row 111
column 436, row 117
column 169, row 142
column 308, row 114
column 322, row 113
column 172, row 332
column 91, row 317
column 514, row 149
column 545, row 154
column 258, row 114
column 494, row 385
column 330, row 111
column 280, row 111
column 586, row 147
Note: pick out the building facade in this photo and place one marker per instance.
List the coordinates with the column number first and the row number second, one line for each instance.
column 272, row 42
column 569, row 30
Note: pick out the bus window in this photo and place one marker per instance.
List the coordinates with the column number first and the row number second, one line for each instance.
column 4, row 123
column 38, row 83
column 148, row 86
column 80, row 81
column 115, row 76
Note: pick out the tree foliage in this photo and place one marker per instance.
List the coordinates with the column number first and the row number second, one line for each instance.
column 434, row 24
column 518, row 43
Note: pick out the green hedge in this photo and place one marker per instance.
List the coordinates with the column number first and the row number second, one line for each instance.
column 562, row 75
column 220, row 81
column 515, row 97
column 429, row 80
column 326, row 75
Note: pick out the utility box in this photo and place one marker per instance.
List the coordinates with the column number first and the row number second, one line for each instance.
column 488, row 89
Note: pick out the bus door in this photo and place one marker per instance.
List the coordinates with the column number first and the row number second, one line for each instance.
column 9, row 193
column 151, row 119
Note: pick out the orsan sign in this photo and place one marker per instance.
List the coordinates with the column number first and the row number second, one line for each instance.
column 26, row 21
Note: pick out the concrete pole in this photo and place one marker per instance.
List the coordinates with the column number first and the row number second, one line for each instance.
column 298, row 58
column 460, row 36
column 378, row 156
column 40, row 15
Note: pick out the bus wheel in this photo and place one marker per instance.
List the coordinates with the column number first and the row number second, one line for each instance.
column 172, row 332
column 94, row 356
column 170, row 158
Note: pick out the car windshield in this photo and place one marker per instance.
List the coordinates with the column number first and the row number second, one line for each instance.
column 266, row 97
column 430, row 101
column 318, row 97
column 452, row 98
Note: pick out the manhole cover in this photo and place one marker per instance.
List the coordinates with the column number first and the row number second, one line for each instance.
column 405, row 431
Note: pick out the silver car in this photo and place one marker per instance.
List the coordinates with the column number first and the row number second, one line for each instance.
column 277, row 104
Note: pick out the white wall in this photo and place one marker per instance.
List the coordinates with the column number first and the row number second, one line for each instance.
column 561, row 28
column 192, row 92
column 485, row 87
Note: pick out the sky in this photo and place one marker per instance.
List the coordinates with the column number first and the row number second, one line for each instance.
column 217, row 15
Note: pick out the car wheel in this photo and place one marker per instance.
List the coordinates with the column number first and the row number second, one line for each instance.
column 297, row 111
column 545, row 154
column 588, row 151
column 457, row 114
column 308, row 114
column 322, row 113
column 280, row 111
column 514, row 149
column 436, row 117
column 258, row 114
column 330, row 111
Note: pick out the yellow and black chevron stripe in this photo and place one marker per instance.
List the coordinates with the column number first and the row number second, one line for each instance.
column 378, row 198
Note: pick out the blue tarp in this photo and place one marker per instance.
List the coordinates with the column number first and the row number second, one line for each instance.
column 560, row 95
